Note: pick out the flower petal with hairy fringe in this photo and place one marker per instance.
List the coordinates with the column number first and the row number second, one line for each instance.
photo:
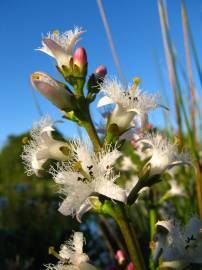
column 87, row 175
column 42, row 147
column 60, row 46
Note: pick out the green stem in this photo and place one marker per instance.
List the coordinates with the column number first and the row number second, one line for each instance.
column 152, row 219
column 152, row 223
column 117, row 211
column 134, row 193
column 89, row 126
column 78, row 87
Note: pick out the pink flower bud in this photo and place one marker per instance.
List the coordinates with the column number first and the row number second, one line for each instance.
column 130, row 266
column 149, row 126
column 101, row 70
column 80, row 57
column 120, row 256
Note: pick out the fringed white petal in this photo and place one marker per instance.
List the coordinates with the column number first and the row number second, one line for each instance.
column 60, row 46
column 110, row 190
column 65, row 178
column 83, row 154
column 85, row 207
column 66, row 252
column 78, row 242
column 56, row 51
column 193, row 227
column 104, row 101
column 76, row 195
column 107, row 160
column 136, row 101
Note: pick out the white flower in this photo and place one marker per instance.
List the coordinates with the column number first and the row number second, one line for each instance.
column 88, row 175
column 42, row 147
column 71, row 255
column 164, row 154
column 127, row 164
column 180, row 247
column 175, row 190
column 128, row 102
column 60, row 46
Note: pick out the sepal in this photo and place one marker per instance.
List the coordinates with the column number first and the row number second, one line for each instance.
column 113, row 133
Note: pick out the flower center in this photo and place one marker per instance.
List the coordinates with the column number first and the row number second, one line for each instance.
column 87, row 176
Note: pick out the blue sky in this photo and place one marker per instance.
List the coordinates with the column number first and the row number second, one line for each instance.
column 136, row 32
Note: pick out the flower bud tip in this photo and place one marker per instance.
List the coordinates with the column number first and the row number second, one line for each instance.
column 80, row 57
column 120, row 256
column 101, row 70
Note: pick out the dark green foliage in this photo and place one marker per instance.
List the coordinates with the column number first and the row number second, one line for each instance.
column 29, row 220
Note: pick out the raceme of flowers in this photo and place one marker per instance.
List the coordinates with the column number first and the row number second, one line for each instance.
column 85, row 171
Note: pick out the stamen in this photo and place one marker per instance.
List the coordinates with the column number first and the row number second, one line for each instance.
column 90, row 167
column 78, row 168
column 152, row 245
column 56, row 33
column 25, row 140
column 84, row 179
column 91, row 173
column 35, row 77
column 52, row 251
column 136, row 82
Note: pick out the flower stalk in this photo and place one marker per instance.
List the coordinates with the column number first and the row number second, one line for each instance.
column 118, row 212
column 90, row 128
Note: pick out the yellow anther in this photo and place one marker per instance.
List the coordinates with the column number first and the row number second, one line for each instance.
column 136, row 82
column 176, row 140
column 51, row 251
column 25, row 140
column 77, row 166
column 152, row 245
column 56, row 33
column 35, row 77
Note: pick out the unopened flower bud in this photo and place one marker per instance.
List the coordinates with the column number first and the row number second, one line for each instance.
column 120, row 256
column 53, row 90
column 80, row 57
column 130, row 266
column 101, row 71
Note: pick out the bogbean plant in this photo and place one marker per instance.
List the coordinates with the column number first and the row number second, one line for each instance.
column 85, row 169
